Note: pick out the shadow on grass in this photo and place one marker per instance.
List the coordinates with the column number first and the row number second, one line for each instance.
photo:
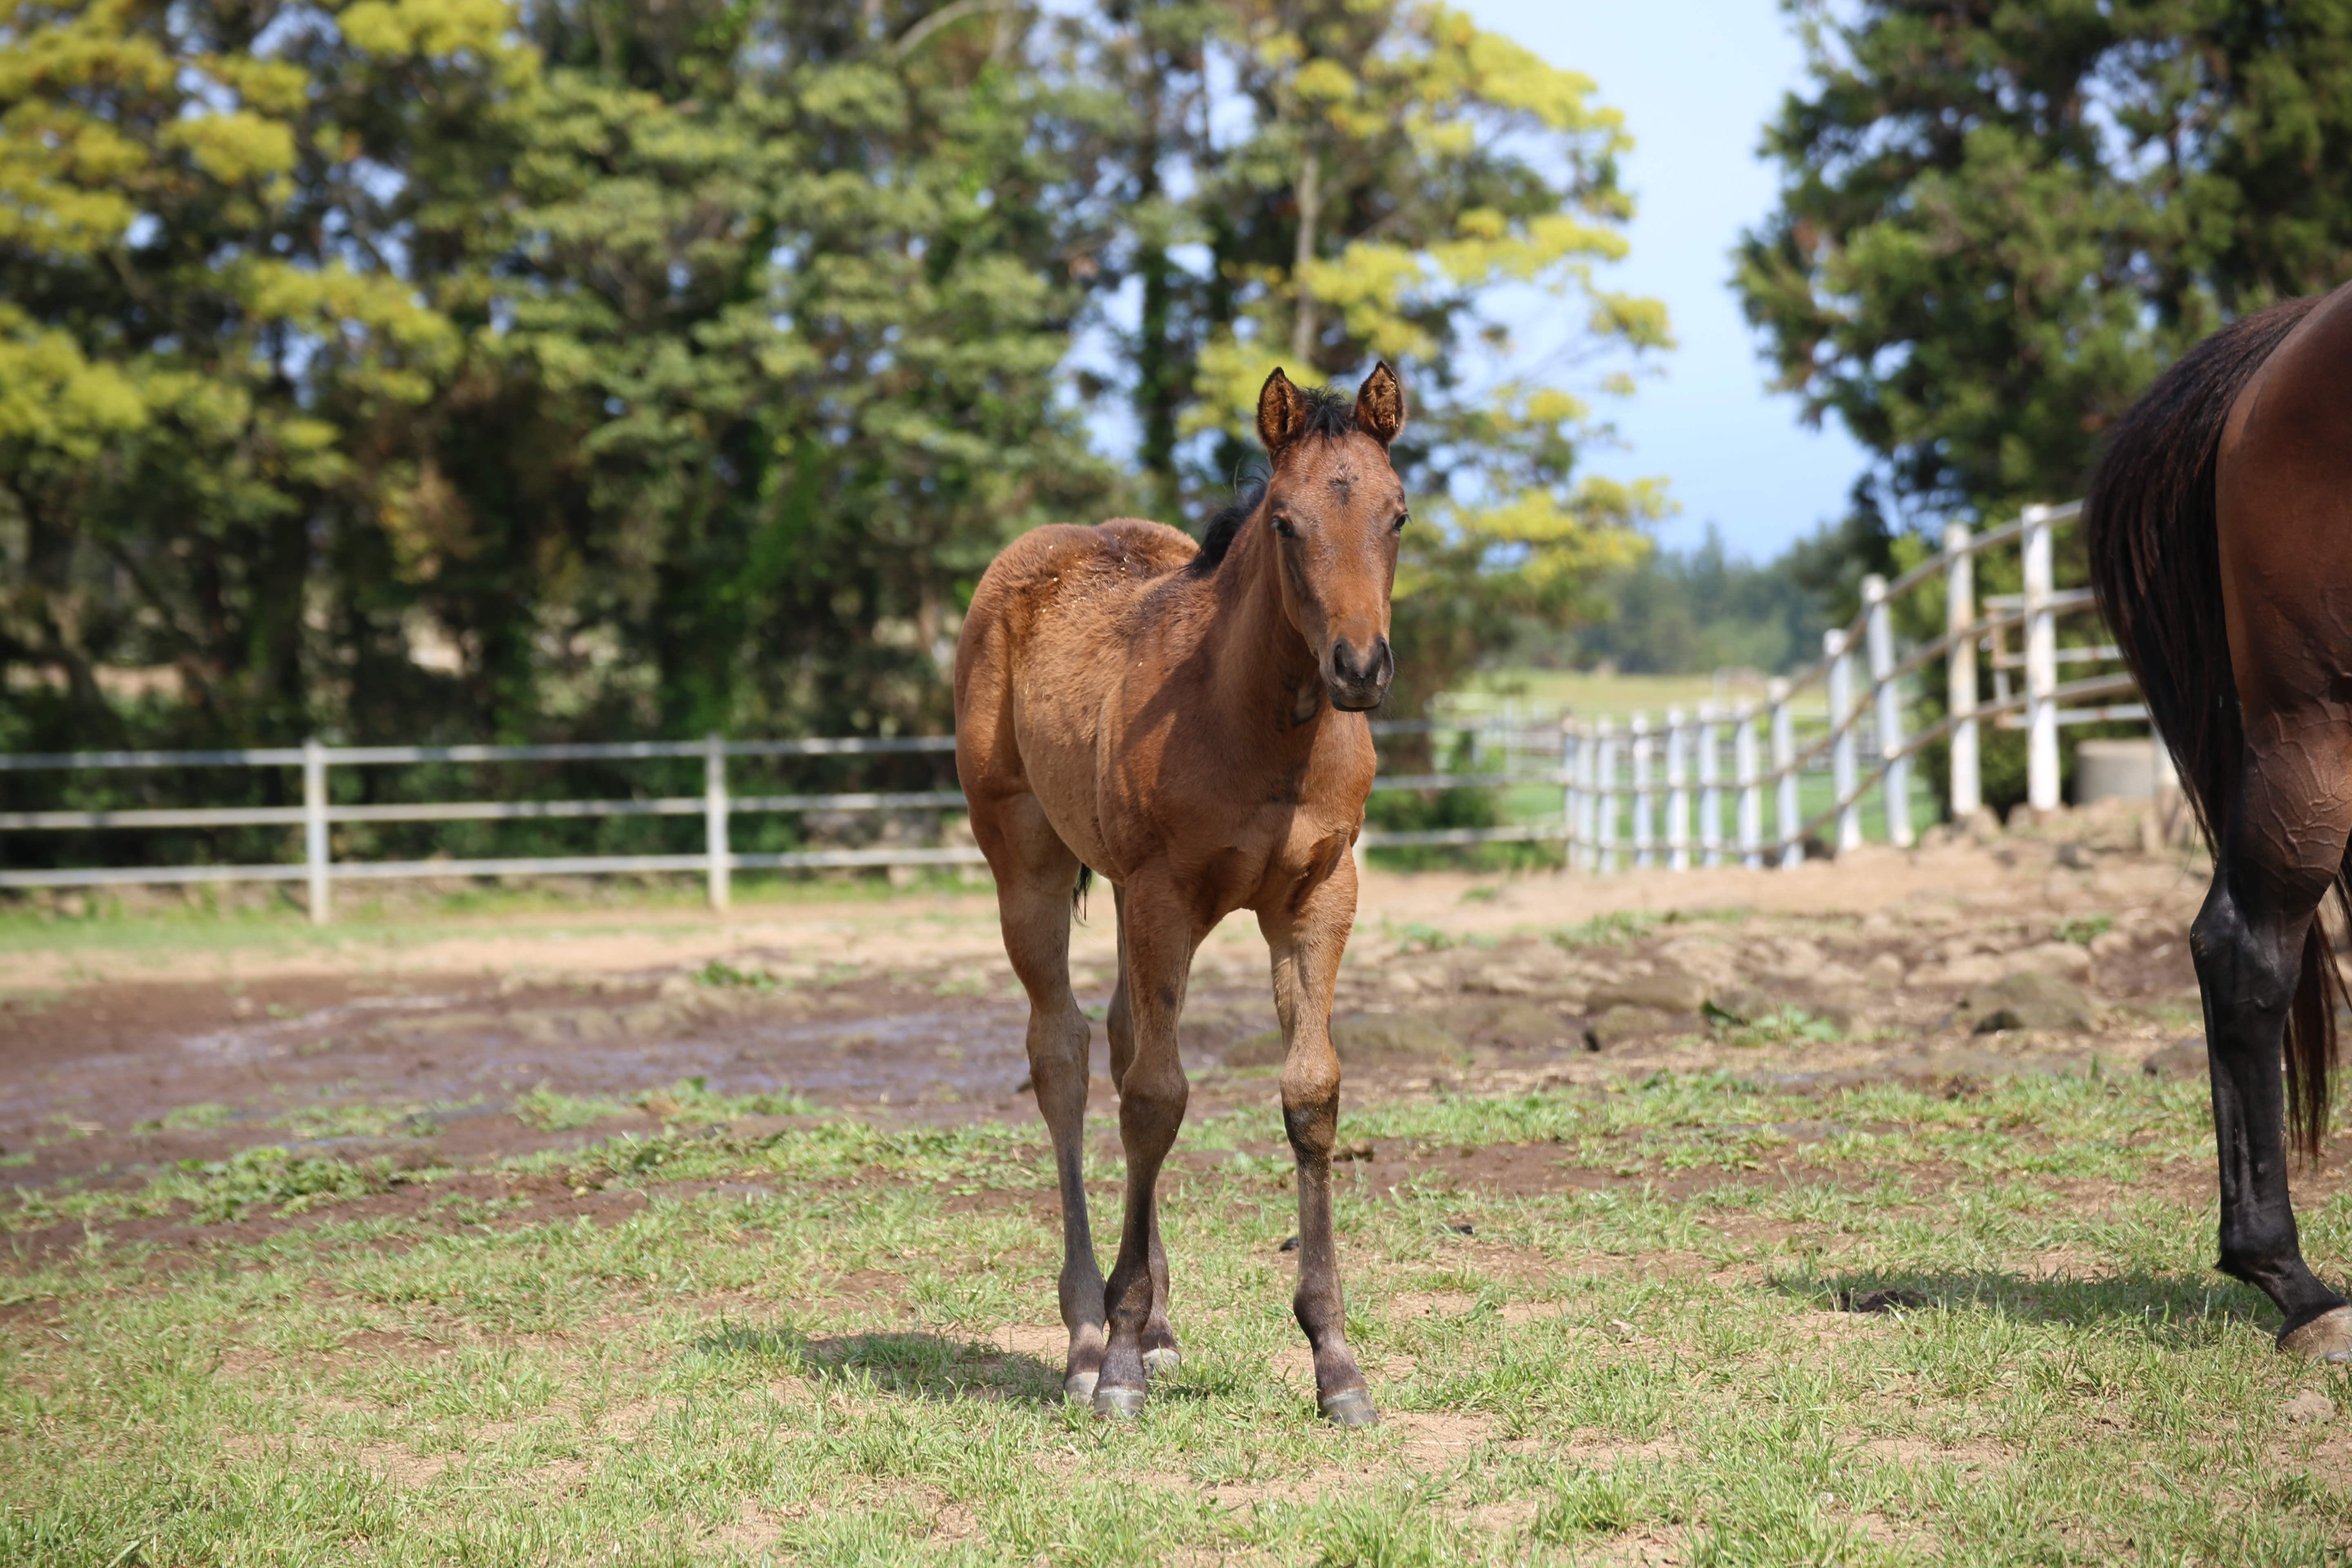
column 913, row 1365
column 2172, row 1307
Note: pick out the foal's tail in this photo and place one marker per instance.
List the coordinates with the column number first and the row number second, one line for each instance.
column 2150, row 525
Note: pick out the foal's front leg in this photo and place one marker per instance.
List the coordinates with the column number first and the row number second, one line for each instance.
column 1307, row 941
column 1156, row 939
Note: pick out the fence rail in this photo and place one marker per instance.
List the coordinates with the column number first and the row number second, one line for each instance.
column 1696, row 790
column 717, row 806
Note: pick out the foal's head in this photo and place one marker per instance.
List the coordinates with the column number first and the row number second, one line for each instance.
column 1334, row 509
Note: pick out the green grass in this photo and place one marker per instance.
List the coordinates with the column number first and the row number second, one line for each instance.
column 1588, row 694
column 549, row 1112
column 809, row 1364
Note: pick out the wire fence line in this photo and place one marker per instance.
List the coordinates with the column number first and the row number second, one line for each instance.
column 1721, row 786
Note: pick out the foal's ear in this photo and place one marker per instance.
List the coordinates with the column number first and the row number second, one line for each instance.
column 1281, row 411
column 1379, row 405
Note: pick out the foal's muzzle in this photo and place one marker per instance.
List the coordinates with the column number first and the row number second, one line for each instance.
column 1360, row 682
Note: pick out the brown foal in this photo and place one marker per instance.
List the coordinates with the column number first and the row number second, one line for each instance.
column 1188, row 722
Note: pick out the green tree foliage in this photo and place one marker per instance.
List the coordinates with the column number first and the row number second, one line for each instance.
column 188, row 325
column 655, row 367
column 406, row 370
column 1997, row 217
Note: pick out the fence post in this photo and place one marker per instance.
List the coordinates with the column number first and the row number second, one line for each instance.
column 1961, row 668
column 1710, row 787
column 1751, row 797
column 1843, row 719
column 1895, row 784
column 714, row 819
column 1605, row 854
column 1568, row 818
column 1588, row 803
column 1677, row 791
column 314, row 830
column 2041, row 665
column 1644, row 814
column 1785, row 819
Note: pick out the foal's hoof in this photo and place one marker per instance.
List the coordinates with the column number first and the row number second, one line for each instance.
column 1162, row 1362
column 2327, row 1337
column 1079, row 1386
column 1350, row 1408
column 1120, row 1404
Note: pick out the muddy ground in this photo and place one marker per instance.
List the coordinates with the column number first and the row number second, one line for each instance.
column 2059, row 948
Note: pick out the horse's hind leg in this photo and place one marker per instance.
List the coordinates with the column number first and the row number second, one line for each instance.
column 1160, row 1350
column 2279, row 852
column 1035, row 874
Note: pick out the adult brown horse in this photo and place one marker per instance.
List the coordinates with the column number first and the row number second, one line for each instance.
column 1188, row 722
column 2219, row 527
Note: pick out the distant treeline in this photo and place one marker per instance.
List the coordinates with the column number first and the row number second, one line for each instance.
column 1688, row 612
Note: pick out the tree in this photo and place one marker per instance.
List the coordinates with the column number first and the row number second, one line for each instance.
column 783, row 287
column 1383, row 169
column 1999, row 218
column 186, row 222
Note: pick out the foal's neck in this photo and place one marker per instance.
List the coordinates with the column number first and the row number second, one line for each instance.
column 1267, row 675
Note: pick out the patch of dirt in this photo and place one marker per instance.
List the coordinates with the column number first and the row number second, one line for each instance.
column 1978, row 1454
column 1435, row 1442
column 113, row 1067
column 403, row 1470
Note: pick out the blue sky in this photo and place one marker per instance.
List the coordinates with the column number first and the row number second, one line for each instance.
column 1696, row 80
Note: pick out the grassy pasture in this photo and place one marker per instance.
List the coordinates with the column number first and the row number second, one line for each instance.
column 831, row 1342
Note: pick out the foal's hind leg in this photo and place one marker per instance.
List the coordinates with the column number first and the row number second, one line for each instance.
column 2278, row 854
column 1034, row 884
column 1160, row 1350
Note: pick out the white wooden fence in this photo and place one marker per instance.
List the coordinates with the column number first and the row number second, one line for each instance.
column 1619, row 780
column 1628, row 797
column 318, row 813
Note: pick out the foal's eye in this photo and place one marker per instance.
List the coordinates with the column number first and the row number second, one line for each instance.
column 1282, row 527
column 1403, row 518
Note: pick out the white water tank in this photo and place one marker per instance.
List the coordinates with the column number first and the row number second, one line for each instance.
column 2121, row 770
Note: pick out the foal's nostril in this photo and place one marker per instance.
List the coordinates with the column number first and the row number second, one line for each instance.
column 1359, row 682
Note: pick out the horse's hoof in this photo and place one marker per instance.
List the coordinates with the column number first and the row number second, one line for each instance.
column 1350, row 1408
column 1162, row 1362
column 1078, row 1388
column 2327, row 1337
column 1120, row 1404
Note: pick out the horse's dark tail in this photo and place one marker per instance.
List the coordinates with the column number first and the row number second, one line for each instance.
column 2150, row 525
column 1078, row 893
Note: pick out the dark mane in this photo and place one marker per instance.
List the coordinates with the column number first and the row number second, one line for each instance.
column 1224, row 526
column 1330, row 416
